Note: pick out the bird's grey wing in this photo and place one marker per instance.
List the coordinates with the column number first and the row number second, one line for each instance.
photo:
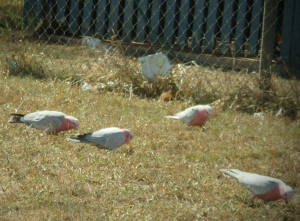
column 96, row 139
column 115, row 140
column 187, row 115
column 45, row 120
column 259, row 184
column 109, row 138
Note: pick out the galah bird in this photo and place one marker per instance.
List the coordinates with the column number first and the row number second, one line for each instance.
column 48, row 121
column 194, row 116
column 108, row 138
column 262, row 187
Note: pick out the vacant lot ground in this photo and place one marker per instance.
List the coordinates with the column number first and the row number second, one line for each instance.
column 166, row 173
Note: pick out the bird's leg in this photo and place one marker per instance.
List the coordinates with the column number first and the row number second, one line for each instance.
column 204, row 128
column 101, row 147
column 52, row 133
column 251, row 203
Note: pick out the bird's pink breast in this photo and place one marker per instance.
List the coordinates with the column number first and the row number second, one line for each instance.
column 127, row 137
column 66, row 125
column 199, row 119
column 272, row 195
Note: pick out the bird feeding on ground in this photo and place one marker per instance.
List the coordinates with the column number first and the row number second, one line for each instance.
column 108, row 138
column 194, row 116
column 48, row 121
column 262, row 187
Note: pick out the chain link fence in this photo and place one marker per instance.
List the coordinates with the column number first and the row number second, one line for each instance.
column 234, row 54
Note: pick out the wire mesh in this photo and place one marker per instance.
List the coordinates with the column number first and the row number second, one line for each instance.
column 234, row 53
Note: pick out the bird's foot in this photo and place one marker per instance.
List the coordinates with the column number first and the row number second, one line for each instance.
column 251, row 204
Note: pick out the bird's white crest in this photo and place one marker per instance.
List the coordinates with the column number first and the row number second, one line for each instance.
column 209, row 110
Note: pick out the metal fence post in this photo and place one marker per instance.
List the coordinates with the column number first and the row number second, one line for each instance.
column 267, row 47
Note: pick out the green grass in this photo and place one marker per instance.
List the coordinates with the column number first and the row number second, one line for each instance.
column 166, row 173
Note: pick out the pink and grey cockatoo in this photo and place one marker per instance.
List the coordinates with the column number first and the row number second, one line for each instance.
column 48, row 121
column 108, row 138
column 194, row 116
column 262, row 187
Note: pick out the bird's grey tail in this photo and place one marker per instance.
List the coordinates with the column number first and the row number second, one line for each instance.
column 173, row 117
column 74, row 139
column 16, row 118
column 78, row 139
column 234, row 173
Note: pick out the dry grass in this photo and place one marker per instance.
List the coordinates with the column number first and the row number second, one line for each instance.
column 166, row 173
column 111, row 71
